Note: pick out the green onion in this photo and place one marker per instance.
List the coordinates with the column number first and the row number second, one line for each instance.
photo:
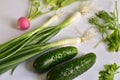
column 27, row 49
column 24, row 55
column 12, row 47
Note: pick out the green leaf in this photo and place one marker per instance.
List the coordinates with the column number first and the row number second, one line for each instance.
column 52, row 3
column 56, row 4
column 109, row 72
column 34, row 9
column 66, row 2
column 108, row 25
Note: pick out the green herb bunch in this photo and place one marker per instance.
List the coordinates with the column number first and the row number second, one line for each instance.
column 108, row 25
column 109, row 72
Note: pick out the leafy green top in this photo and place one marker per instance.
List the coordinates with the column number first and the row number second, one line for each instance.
column 109, row 72
column 56, row 4
column 34, row 9
column 108, row 25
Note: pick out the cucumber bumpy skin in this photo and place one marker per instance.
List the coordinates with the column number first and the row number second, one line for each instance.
column 72, row 69
column 52, row 58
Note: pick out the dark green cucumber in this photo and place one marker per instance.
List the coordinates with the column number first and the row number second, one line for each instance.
column 73, row 68
column 52, row 58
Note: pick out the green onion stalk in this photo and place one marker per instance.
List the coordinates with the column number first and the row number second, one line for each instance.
column 38, row 49
column 13, row 46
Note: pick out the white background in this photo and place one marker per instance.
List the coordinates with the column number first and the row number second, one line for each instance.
column 11, row 10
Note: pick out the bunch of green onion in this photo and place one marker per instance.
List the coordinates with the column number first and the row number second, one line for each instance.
column 32, row 43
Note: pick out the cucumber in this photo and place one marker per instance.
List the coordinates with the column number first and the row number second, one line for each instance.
column 73, row 68
column 52, row 58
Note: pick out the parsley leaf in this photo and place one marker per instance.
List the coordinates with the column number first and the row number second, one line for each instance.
column 108, row 25
column 109, row 72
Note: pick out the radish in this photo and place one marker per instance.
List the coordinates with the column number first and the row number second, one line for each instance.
column 23, row 23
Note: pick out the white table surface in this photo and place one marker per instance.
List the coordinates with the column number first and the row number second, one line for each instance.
column 11, row 10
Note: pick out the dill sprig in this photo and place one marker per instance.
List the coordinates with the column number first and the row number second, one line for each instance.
column 108, row 25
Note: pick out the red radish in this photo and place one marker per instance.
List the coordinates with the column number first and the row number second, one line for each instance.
column 23, row 23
